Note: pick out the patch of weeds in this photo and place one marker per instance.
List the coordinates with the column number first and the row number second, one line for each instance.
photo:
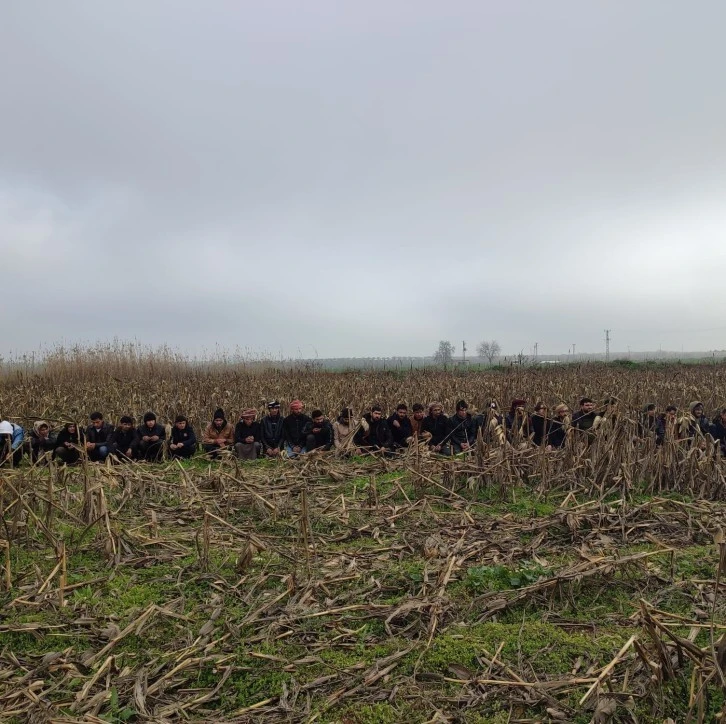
column 498, row 578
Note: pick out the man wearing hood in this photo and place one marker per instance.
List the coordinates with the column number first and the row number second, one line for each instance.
column 98, row 438
column 248, row 435
column 11, row 443
column 151, row 438
column 464, row 428
column 42, row 442
column 718, row 429
column 218, row 435
column 272, row 430
column 293, row 426
column 318, row 432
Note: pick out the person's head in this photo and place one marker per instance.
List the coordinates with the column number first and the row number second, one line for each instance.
column 296, row 407
column 418, row 411
column 218, row 419
column 402, row 411
column 376, row 412
column 518, row 405
column 587, row 404
column 436, row 409
column 696, row 409
column 346, row 414
column 650, row 409
column 6, row 431
column 317, row 416
column 43, row 429
column 248, row 415
column 562, row 411
column 180, row 422
column 493, row 405
column 462, row 409
column 150, row 420
column 126, row 423
column 97, row 420
column 71, row 427
column 722, row 414
column 610, row 403
column 540, row 409
column 670, row 412
column 273, row 408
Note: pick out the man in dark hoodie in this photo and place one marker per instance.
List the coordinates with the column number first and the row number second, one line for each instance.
column 125, row 440
column 718, row 429
column 272, row 430
column 318, row 432
column 98, row 438
column 248, row 435
column 374, row 433
column 293, row 426
column 183, row 443
column 464, row 429
column 695, row 424
column 666, row 426
column 400, row 426
column 151, row 438
column 437, row 425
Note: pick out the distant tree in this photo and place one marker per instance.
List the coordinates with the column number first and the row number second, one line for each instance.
column 490, row 350
column 444, row 355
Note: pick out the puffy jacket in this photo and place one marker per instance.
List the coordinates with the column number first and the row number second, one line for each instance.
column 143, row 431
column 211, row 433
column 293, row 426
column 122, row 440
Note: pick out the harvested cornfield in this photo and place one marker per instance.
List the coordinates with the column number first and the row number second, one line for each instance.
column 514, row 585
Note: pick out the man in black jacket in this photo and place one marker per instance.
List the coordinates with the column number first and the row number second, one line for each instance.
column 439, row 427
column 125, row 440
column 272, row 430
column 293, row 426
column 464, row 428
column 183, row 443
column 98, row 438
column 374, row 433
column 248, row 435
column 318, row 432
column 151, row 438
column 400, row 426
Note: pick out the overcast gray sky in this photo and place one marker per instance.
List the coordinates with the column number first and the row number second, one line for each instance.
column 363, row 178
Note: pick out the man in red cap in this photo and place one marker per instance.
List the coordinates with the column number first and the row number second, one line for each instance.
column 293, row 427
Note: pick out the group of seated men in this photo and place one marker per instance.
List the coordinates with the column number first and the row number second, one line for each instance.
column 297, row 433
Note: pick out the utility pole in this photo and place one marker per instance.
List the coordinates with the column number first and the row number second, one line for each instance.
column 463, row 353
column 536, row 346
column 573, row 350
column 607, row 345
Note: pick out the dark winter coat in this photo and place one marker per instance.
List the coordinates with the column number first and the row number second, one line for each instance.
column 65, row 436
column 242, row 430
column 100, row 436
column 187, row 437
column 439, row 427
column 293, row 426
column 541, row 427
column 324, row 436
column 378, row 434
column 401, row 433
column 272, row 431
column 143, row 430
column 122, row 440
column 463, row 429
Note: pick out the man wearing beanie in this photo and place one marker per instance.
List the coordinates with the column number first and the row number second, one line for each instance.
column 183, row 443
column 151, row 438
column 219, row 435
column 293, row 427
